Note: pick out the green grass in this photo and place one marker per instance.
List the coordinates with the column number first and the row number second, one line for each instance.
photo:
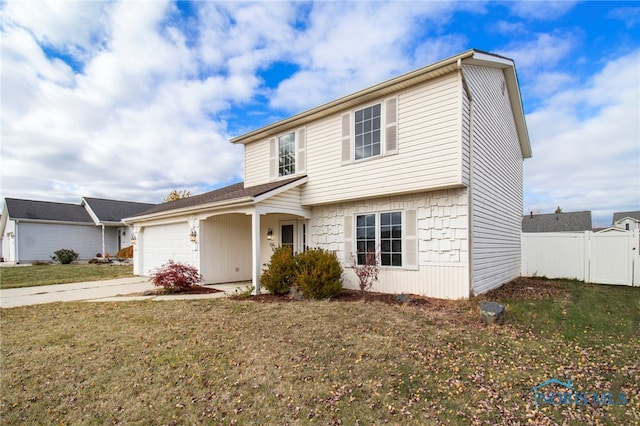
column 37, row 275
column 223, row 361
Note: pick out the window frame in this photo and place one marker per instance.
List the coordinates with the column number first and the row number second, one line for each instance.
column 378, row 238
column 381, row 128
column 293, row 153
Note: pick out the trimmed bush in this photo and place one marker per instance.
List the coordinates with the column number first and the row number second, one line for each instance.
column 125, row 253
column 65, row 256
column 318, row 274
column 280, row 273
column 176, row 276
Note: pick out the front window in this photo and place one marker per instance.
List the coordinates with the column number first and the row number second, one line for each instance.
column 286, row 155
column 391, row 239
column 365, row 237
column 383, row 231
column 367, row 132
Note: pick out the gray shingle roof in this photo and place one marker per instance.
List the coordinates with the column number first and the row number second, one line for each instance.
column 621, row 215
column 113, row 210
column 46, row 210
column 231, row 192
column 561, row 222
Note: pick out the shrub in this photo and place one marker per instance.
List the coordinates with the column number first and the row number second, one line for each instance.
column 65, row 256
column 279, row 275
column 126, row 252
column 367, row 273
column 176, row 276
column 318, row 274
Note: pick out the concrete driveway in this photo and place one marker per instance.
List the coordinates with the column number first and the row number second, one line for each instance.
column 120, row 289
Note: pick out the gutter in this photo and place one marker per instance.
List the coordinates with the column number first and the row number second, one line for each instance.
column 186, row 210
column 412, row 78
column 470, row 187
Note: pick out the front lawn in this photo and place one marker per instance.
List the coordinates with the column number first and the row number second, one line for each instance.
column 37, row 275
column 225, row 361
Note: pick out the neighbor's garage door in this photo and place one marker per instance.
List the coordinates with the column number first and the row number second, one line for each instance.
column 164, row 242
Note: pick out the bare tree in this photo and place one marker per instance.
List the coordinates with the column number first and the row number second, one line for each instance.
column 177, row 195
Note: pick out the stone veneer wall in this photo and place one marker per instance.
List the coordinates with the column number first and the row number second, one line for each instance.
column 442, row 223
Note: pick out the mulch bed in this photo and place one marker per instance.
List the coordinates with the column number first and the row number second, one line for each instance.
column 196, row 289
column 518, row 289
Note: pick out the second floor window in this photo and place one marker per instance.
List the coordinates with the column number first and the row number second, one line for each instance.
column 367, row 132
column 287, row 154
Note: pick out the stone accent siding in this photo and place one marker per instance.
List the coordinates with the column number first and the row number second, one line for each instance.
column 442, row 223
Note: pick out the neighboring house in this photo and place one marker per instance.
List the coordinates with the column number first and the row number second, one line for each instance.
column 33, row 230
column 626, row 220
column 425, row 168
column 557, row 222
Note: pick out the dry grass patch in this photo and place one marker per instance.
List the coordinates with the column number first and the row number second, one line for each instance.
column 225, row 362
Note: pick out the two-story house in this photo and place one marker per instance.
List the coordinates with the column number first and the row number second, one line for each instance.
column 425, row 169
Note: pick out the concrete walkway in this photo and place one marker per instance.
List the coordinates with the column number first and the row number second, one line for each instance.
column 116, row 290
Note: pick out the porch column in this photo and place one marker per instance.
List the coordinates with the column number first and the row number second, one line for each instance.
column 255, row 251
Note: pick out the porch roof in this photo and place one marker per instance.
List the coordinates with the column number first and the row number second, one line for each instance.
column 226, row 195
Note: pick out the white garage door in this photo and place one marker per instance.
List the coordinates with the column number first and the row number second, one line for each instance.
column 164, row 242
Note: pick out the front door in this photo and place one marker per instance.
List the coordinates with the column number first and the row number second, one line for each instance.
column 287, row 236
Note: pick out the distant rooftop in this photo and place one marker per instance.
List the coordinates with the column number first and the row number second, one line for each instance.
column 621, row 215
column 557, row 222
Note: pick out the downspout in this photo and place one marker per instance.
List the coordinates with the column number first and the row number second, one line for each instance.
column 470, row 187
column 16, row 255
column 103, row 251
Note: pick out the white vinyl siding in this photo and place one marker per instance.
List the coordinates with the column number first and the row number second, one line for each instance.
column 497, row 182
column 158, row 244
column 38, row 241
column 257, row 161
column 225, row 248
column 428, row 151
column 435, row 241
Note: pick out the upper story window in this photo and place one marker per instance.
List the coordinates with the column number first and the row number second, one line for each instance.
column 367, row 132
column 370, row 132
column 287, row 154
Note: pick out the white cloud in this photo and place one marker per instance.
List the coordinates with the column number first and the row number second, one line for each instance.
column 586, row 144
column 135, row 122
column 350, row 46
column 541, row 9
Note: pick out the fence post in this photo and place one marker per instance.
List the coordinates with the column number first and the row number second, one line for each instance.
column 587, row 256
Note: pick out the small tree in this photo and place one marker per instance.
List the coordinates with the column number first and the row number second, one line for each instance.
column 177, row 195
column 367, row 272
column 176, row 276
column 558, row 210
column 65, row 256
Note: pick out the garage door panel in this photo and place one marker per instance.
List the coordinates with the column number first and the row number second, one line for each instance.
column 164, row 242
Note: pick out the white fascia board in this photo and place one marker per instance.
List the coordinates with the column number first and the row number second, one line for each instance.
column 511, row 78
column 56, row 222
column 187, row 210
column 280, row 190
column 382, row 89
column 92, row 214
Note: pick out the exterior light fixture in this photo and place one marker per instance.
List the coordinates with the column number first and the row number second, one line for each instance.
column 193, row 235
column 269, row 234
column 134, row 238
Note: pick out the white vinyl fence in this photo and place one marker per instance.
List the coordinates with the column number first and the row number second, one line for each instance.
column 606, row 257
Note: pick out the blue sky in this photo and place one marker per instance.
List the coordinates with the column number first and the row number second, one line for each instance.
column 129, row 100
